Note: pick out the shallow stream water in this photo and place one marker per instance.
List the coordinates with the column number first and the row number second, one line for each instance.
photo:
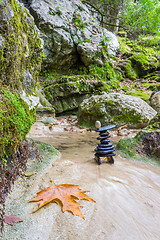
column 127, row 194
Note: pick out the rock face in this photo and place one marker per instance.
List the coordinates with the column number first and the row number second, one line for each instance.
column 66, row 93
column 20, row 46
column 20, row 60
column 115, row 108
column 155, row 101
column 155, row 122
column 70, row 33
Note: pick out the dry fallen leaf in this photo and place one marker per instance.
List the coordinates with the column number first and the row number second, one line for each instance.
column 65, row 195
column 120, row 128
column 12, row 219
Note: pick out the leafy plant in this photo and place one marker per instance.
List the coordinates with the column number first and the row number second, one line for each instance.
column 141, row 17
column 55, row 11
column 107, row 74
column 58, row 11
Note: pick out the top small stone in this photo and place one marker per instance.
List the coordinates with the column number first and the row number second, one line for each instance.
column 105, row 128
column 97, row 124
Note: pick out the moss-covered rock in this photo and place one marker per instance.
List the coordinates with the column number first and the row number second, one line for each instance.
column 154, row 124
column 142, row 56
column 155, row 101
column 144, row 63
column 67, row 92
column 15, row 121
column 115, row 108
column 20, row 54
column 20, row 60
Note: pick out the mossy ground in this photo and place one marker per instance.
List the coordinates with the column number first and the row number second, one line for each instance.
column 46, row 153
column 138, row 62
column 144, row 146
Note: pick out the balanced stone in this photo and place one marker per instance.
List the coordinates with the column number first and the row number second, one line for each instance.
column 109, row 144
column 106, row 134
column 98, row 150
column 104, row 129
column 105, row 151
column 104, row 141
column 105, row 148
column 101, row 138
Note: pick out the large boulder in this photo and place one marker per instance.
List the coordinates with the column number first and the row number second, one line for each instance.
column 70, row 33
column 115, row 108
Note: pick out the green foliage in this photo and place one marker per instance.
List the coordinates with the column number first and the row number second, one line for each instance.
column 150, row 41
column 15, row 121
column 129, row 71
column 77, row 21
column 107, row 74
column 55, row 11
column 141, row 17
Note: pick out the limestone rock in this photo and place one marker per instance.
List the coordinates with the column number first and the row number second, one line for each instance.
column 20, row 45
column 155, row 122
column 70, row 33
column 115, row 108
column 68, row 92
column 31, row 100
column 155, row 101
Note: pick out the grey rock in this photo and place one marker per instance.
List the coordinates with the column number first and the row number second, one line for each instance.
column 31, row 100
column 112, row 43
column 155, row 101
column 115, row 108
column 70, row 33
column 27, row 80
column 2, row 42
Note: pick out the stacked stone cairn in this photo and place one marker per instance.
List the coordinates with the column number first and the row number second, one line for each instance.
column 105, row 149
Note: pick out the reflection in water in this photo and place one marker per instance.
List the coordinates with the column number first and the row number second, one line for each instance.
column 127, row 193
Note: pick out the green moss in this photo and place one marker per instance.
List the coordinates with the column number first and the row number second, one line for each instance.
column 127, row 147
column 131, row 117
column 110, row 102
column 124, row 47
column 142, row 62
column 150, row 41
column 15, row 121
column 143, row 55
column 141, row 147
column 142, row 94
column 129, row 71
column 22, row 48
column 107, row 74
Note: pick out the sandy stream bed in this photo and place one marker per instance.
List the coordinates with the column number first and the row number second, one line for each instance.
column 127, row 194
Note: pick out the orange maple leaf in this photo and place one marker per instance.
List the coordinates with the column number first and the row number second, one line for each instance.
column 64, row 194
